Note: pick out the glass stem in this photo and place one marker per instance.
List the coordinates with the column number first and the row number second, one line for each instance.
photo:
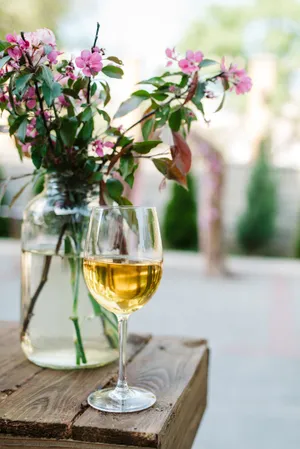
column 122, row 386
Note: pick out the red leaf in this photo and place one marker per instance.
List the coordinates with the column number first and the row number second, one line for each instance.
column 168, row 168
column 192, row 89
column 181, row 153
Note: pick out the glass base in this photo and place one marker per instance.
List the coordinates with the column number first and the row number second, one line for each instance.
column 61, row 355
column 108, row 400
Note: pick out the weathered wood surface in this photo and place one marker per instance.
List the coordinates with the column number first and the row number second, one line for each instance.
column 48, row 409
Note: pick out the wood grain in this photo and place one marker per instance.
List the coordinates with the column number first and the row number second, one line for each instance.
column 14, row 369
column 51, row 401
column 48, row 408
column 168, row 367
column 7, row 442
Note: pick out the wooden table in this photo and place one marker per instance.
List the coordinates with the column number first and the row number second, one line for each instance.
column 41, row 408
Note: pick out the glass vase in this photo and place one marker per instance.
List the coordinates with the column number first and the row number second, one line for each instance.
column 62, row 326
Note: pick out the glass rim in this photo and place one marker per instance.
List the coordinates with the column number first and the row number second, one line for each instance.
column 122, row 207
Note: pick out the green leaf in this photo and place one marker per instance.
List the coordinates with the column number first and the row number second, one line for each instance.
column 4, row 45
column 145, row 147
column 56, row 90
column 126, row 165
column 141, row 93
column 36, row 156
column 104, row 114
column 93, row 89
column 115, row 59
column 147, row 128
column 130, row 180
column 5, row 77
column 3, row 61
column 175, row 120
column 198, row 105
column 112, row 71
column 199, row 94
column 96, row 177
column 114, row 188
column 47, row 76
column 86, row 114
column 47, row 92
column 70, row 93
column 80, row 84
column 159, row 96
column 221, row 104
column 85, row 133
column 155, row 81
column 184, row 81
column 207, row 63
column 16, row 123
column 90, row 165
column 50, row 93
column 124, row 201
column 106, row 92
column 124, row 141
column 68, row 130
column 162, row 115
column 21, row 133
column 128, row 106
column 22, row 81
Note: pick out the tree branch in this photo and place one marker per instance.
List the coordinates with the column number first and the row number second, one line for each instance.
column 88, row 99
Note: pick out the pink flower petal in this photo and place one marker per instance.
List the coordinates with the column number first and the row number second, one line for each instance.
column 169, row 53
column 86, row 71
column 11, row 38
column 79, row 62
column 109, row 144
column 198, row 56
column 190, row 55
column 85, row 55
column 31, row 104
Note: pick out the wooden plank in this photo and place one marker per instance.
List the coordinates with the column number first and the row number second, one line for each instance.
column 180, row 429
column 9, row 442
column 51, row 401
column 175, row 370
column 14, row 368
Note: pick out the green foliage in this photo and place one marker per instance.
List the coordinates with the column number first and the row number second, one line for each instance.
column 297, row 244
column 4, row 222
column 256, row 226
column 180, row 221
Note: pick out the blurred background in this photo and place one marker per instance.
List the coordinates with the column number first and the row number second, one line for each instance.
column 232, row 241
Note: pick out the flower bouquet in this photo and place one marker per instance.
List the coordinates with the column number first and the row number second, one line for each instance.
column 56, row 108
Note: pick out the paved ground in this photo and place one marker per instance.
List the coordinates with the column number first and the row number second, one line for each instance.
column 252, row 321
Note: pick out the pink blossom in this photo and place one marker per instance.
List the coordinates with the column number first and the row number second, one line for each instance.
column 90, row 63
column 99, row 145
column 171, row 54
column 239, row 79
column 15, row 52
column 42, row 36
column 70, row 71
column 190, row 64
column 172, row 89
column 12, row 38
column 30, row 98
column 63, row 102
column 26, row 147
column 31, row 128
column 52, row 56
column 3, row 97
column 96, row 50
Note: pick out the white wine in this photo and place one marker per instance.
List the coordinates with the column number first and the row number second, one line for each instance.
column 122, row 286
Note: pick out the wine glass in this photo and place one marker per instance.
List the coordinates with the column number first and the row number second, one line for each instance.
column 122, row 269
